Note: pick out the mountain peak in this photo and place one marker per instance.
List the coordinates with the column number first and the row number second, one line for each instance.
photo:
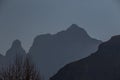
column 75, row 30
column 16, row 43
column 74, row 27
column 16, row 48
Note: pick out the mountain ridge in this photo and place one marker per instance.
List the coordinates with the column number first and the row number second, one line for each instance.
column 53, row 51
column 104, row 64
column 50, row 52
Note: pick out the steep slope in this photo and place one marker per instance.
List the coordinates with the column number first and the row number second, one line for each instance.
column 51, row 52
column 104, row 64
column 2, row 61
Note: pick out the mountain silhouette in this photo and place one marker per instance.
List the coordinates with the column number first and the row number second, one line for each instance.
column 53, row 51
column 104, row 64
column 15, row 50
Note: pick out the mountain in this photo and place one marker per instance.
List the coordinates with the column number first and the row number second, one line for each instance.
column 53, row 51
column 15, row 50
column 104, row 64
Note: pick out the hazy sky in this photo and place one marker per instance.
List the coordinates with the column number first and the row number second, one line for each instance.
column 24, row 19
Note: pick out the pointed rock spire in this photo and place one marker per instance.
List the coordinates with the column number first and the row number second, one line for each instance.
column 16, row 48
column 16, row 44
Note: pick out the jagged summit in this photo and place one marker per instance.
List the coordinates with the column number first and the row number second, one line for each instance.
column 73, row 32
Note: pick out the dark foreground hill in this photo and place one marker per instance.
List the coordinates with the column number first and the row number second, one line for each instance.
column 51, row 52
column 101, row 65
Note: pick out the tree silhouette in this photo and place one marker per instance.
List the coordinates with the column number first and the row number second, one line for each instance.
column 22, row 68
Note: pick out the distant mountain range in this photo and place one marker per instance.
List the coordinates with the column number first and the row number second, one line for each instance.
column 52, row 51
column 104, row 64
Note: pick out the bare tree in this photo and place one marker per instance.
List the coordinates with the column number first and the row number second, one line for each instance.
column 20, row 69
column 30, row 72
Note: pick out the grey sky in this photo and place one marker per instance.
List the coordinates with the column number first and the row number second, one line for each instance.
column 24, row 19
